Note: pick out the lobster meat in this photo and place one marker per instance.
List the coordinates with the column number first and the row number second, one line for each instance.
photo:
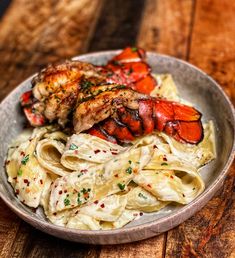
column 112, row 102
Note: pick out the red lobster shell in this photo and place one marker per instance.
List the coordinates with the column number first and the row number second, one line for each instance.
column 129, row 68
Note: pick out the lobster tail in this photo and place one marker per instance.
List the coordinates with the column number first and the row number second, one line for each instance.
column 181, row 122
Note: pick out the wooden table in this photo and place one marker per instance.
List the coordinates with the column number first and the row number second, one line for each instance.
column 33, row 33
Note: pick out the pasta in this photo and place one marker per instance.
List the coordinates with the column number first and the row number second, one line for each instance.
column 84, row 182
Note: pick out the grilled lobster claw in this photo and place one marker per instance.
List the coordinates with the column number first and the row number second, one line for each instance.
column 29, row 105
column 129, row 68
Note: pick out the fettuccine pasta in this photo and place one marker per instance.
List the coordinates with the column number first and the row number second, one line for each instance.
column 84, row 182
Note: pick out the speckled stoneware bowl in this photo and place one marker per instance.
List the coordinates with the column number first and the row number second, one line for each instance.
column 194, row 86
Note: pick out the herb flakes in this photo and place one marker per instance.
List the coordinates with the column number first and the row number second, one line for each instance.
column 73, row 146
column 25, row 160
column 121, row 186
column 66, row 202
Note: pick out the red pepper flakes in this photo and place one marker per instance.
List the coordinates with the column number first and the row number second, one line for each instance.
column 41, row 182
column 104, row 151
column 60, row 192
column 84, row 170
column 86, row 195
column 164, row 158
column 26, row 181
column 102, row 205
column 76, row 212
column 141, row 214
column 22, row 153
column 17, row 191
column 155, row 147
column 65, row 191
column 114, row 153
column 54, row 213
column 96, row 151
column 116, row 175
column 96, row 202
column 149, row 185
column 172, row 177
column 14, row 178
column 135, row 170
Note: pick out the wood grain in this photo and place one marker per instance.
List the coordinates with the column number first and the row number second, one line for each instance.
column 118, row 25
column 153, row 247
column 212, row 45
column 211, row 232
column 166, row 27
column 57, row 30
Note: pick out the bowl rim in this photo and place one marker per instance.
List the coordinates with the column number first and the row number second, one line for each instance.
column 209, row 191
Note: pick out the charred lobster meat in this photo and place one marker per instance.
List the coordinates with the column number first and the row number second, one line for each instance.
column 112, row 102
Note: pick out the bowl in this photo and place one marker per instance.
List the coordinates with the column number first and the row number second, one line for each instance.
column 195, row 86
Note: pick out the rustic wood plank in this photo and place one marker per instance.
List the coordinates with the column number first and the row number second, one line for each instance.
column 213, row 38
column 9, row 226
column 38, row 244
column 55, row 31
column 118, row 25
column 211, row 232
column 153, row 247
column 166, row 27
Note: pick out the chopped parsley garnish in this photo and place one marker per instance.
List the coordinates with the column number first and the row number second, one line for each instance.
column 109, row 74
column 120, row 87
column 73, row 146
column 134, row 49
column 66, row 202
column 20, row 172
column 164, row 164
column 142, row 196
column 78, row 199
column 115, row 62
column 129, row 161
column 121, row 186
column 129, row 170
column 25, row 159
column 86, row 85
column 84, row 190
column 130, row 71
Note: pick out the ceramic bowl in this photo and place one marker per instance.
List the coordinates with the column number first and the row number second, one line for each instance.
column 194, row 86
